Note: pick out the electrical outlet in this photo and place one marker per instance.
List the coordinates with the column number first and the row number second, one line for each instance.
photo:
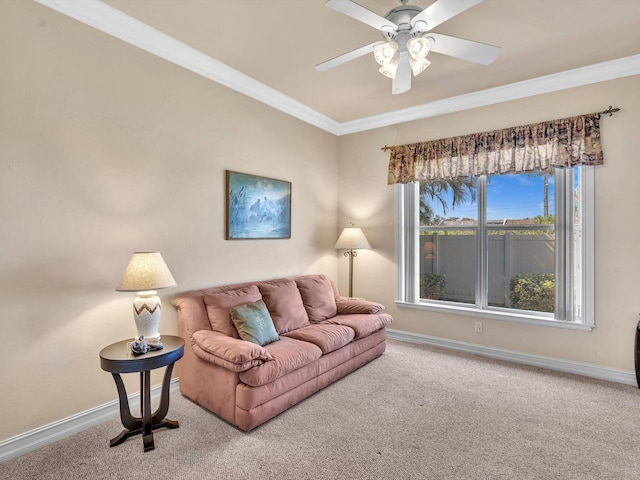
column 478, row 327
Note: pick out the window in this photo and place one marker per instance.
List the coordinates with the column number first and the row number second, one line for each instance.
column 517, row 246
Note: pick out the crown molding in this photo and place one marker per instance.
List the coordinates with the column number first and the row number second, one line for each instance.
column 113, row 22
column 600, row 72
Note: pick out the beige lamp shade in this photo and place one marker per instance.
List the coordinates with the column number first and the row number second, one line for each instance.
column 146, row 271
column 352, row 238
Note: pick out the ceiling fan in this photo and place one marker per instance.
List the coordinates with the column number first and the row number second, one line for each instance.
column 407, row 30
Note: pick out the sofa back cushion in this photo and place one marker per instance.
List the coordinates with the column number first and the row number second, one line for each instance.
column 318, row 296
column 192, row 313
column 220, row 303
column 284, row 303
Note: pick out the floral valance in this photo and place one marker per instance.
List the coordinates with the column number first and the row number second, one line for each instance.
column 557, row 143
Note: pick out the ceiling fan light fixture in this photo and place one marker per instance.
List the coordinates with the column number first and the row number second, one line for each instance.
column 418, row 48
column 385, row 52
column 418, row 66
column 390, row 68
column 386, row 55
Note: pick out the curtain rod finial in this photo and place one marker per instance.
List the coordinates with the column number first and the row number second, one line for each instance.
column 610, row 111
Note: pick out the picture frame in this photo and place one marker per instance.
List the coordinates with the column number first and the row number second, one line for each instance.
column 257, row 207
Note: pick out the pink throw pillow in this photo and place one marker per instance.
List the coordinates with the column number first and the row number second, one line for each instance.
column 284, row 303
column 219, row 305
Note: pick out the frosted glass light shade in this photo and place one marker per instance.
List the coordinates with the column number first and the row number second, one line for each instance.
column 387, row 56
column 418, row 49
column 389, row 69
column 352, row 238
column 418, row 66
column 384, row 53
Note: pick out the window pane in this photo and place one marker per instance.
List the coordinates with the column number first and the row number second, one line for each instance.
column 448, row 265
column 448, row 258
column 578, row 249
column 521, row 270
column 521, row 263
column 520, row 198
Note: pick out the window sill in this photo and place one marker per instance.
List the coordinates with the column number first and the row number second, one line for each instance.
column 497, row 315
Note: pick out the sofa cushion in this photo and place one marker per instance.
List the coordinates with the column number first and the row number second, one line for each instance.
column 363, row 324
column 288, row 355
column 284, row 303
column 231, row 353
column 348, row 305
column 253, row 322
column 318, row 297
column 328, row 337
column 219, row 303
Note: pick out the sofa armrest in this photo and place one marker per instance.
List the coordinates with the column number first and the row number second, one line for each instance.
column 348, row 305
column 228, row 352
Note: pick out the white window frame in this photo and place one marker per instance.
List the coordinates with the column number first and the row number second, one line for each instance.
column 574, row 260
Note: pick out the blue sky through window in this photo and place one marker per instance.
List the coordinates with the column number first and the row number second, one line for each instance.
column 513, row 196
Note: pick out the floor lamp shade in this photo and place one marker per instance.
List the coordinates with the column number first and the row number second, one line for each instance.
column 146, row 273
column 352, row 238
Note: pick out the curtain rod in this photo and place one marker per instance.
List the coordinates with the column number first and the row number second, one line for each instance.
column 609, row 111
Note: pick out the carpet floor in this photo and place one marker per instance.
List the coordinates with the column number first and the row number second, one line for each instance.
column 417, row 412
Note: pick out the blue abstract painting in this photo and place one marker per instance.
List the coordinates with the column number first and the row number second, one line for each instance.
column 257, row 207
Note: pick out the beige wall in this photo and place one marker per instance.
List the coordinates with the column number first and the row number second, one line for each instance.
column 106, row 149
column 363, row 172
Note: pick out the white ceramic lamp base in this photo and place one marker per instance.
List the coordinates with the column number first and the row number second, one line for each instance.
column 146, row 312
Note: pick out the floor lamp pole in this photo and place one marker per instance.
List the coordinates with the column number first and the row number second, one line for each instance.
column 350, row 254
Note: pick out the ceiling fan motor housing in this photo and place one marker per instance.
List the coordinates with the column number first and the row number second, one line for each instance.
column 401, row 16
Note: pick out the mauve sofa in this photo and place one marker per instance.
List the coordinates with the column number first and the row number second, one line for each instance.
column 322, row 337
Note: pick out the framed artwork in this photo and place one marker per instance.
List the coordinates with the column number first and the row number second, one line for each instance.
column 257, row 207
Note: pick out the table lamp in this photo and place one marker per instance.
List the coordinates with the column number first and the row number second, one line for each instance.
column 146, row 273
column 352, row 238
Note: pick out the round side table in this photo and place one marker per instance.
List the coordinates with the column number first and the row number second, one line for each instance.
column 117, row 358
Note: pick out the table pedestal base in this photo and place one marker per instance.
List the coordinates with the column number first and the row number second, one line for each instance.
column 147, row 440
column 148, row 422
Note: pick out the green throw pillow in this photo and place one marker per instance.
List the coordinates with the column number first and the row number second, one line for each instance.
column 253, row 322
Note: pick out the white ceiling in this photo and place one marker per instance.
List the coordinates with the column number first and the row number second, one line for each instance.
column 272, row 47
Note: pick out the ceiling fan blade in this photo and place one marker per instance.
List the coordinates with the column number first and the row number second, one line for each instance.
column 362, row 14
column 465, row 49
column 402, row 82
column 347, row 57
column 441, row 11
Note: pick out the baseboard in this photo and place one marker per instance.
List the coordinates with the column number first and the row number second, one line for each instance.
column 566, row 366
column 34, row 439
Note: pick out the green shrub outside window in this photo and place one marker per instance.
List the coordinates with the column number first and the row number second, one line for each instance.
column 533, row 292
column 432, row 286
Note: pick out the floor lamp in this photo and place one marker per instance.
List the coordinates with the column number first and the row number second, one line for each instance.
column 352, row 239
